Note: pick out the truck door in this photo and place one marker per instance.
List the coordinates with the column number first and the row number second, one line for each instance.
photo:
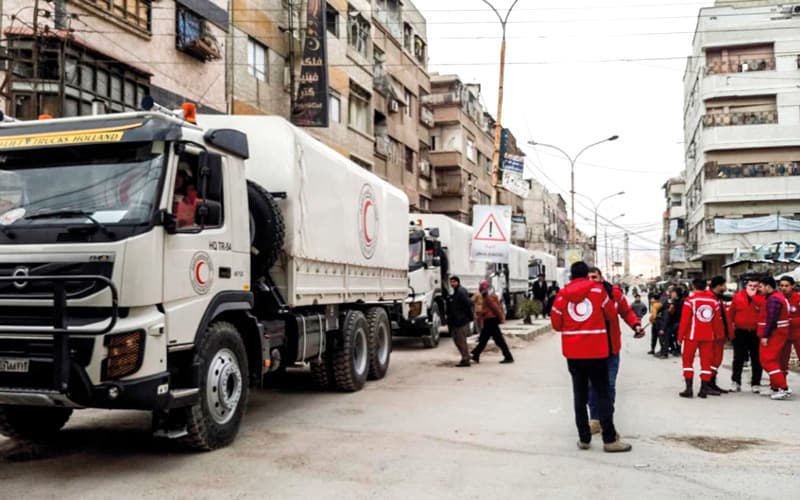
column 198, row 256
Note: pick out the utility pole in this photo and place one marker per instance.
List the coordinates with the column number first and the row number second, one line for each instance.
column 605, row 237
column 627, row 268
column 291, row 55
column 35, row 58
column 498, row 128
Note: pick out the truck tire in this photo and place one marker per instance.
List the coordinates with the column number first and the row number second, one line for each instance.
column 431, row 340
column 380, row 342
column 351, row 354
column 32, row 423
column 267, row 229
column 214, row 420
column 322, row 372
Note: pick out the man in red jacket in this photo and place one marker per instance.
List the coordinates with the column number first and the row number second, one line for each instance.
column 701, row 324
column 773, row 330
column 625, row 312
column 582, row 312
column 743, row 322
column 786, row 285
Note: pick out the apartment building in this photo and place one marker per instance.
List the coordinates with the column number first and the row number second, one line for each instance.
column 83, row 56
column 546, row 216
column 462, row 145
column 742, row 130
column 674, row 261
column 377, row 70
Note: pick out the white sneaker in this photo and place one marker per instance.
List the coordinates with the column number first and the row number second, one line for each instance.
column 736, row 387
column 780, row 395
column 755, row 388
column 788, row 390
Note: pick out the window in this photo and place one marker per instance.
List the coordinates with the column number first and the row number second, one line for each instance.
column 192, row 36
column 358, row 31
column 409, row 159
column 409, row 109
column 488, row 165
column 434, row 142
column 420, row 49
column 471, row 149
column 408, row 36
column 190, row 209
column 332, row 20
column 335, row 108
column 257, row 60
column 359, row 111
column 134, row 12
column 378, row 59
column 361, row 163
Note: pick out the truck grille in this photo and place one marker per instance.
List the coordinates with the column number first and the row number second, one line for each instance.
column 40, row 351
column 44, row 290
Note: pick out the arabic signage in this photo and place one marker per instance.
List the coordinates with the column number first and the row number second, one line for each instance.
column 491, row 229
column 519, row 227
column 516, row 184
column 311, row 105
column 514, row 163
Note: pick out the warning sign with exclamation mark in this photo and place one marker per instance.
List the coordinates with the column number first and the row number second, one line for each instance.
column 491, row 225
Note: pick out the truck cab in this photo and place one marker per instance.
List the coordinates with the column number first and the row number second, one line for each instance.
column 424, row 308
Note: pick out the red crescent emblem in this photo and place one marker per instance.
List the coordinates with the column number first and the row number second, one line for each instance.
column 197, row 269
column 367, row 206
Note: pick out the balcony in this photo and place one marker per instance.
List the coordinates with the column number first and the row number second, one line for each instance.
column 740, row 65
column 450, row 187
column 765, row 135
column 740, row 118
column 446, row 159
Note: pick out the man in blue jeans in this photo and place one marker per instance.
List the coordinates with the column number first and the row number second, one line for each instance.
column 625, row 312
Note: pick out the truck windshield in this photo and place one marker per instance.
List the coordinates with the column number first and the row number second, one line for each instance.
column 111, row 184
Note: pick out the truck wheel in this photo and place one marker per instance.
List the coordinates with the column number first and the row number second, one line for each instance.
column 432, row 339
column 267, row 229
column 32, row 423
column 322, row 372
column 213, row 421
column 351, row 354
column 380, row 342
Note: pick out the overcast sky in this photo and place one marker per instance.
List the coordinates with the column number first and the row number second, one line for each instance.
column 577, row 72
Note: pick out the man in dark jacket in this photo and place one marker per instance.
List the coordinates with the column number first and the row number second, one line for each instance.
column 539, row 292
column 459, row 316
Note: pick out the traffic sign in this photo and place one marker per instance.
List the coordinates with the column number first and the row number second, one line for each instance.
column 491, row 229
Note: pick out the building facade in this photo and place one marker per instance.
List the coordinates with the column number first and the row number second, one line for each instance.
column 83, row 56
column 546, row 215
column 742, row 131
column 674, row 261
column 377, row 70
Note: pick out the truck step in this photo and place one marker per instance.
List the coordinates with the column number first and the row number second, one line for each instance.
column 170, row 433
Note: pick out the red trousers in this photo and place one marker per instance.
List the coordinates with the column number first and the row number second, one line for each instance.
column 786, row 354
column 719, row 350
column 706, row 348
column 771, row 359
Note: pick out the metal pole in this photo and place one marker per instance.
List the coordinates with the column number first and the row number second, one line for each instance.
column 572, row 194
column 606, row 251
column 290, row 3
column 35, row 57
column 596, row 260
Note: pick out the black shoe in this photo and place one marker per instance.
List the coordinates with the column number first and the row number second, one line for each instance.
column 662, row 355
column 651, row 352
column 476, row 358
column 507, row 360
column 464, row 363
column 687, row 393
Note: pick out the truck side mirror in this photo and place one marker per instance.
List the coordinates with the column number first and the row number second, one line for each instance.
column 211, row 176
column 437, row 262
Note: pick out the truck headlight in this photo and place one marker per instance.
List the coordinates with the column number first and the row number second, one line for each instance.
column 414, row 310
column 125, row 351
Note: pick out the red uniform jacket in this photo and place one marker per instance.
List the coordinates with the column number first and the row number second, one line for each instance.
column 625, row 312
column 701, row 319
column 781, row 326
column 582, row 312
column 794, row 314
column 743, row 312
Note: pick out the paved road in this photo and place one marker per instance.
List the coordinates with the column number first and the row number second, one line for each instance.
column 433, row 431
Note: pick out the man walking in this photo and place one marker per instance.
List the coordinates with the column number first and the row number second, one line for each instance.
column 639, row 307
column 773, row 330
column 539, row 291
column 701, row 324
column 581, row 312
column 787, row 284
column 743, row 318
column 718, row 288
column 625, row 312
column 459, row 316
column 490, row 319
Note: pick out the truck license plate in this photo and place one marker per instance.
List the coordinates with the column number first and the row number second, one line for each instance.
column 14, row 365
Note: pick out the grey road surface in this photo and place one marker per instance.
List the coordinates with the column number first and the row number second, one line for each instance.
column 433, row 431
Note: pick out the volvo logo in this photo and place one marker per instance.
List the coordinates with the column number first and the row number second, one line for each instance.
column 20, row 272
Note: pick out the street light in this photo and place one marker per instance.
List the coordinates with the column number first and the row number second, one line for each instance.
column 572, row 162
column 498, row 128
column 608, row 223
column 596, row 207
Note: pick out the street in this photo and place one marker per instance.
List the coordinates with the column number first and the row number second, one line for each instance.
column 433, row 431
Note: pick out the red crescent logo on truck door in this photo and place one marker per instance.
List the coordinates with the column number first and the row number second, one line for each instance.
column 201, row 273
column 368, row 221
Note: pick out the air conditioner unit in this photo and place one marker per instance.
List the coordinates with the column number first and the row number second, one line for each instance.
column 394, row 106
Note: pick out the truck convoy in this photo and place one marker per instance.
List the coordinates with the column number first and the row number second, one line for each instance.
column 149, row 262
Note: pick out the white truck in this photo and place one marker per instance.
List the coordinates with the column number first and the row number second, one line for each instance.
column 543, row 263
column 510, row 281
column 150, row 263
